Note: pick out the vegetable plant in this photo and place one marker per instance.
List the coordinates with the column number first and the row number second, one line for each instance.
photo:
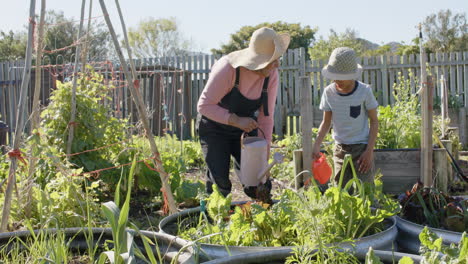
column 299, row 217
column 434, row 251
column 429, row 206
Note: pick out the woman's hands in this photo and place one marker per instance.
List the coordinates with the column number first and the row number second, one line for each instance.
column 246, row 124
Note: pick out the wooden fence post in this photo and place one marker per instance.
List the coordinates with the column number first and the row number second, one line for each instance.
column 426, row 93
column 186, row 107
column 384, row 73
column 307, row 117
column 441, row 169
column 462, row 129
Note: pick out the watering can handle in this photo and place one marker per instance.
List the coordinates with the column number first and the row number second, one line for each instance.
column 245, row 133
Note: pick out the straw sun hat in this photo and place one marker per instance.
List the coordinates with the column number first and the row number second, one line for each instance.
column 265, row 47
column 342, row 65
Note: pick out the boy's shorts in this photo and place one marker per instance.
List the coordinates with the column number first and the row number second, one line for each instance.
column 355, row 150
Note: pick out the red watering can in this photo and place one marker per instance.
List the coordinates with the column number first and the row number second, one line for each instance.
column 321, row 169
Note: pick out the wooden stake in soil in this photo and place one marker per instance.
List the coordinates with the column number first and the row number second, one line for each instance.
column 35, row 119
column 426, row 114
column 134, row 86
column 71, row 125
column 15, row 154
column 307, row 119
column 84, row 54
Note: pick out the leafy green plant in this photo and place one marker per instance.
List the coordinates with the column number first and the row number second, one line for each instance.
column 95, row 127
column 123, row 251
column 64, row 201
column 298, row 218
column 371, row 258
column 399, row 125
column 434, row 251
column 429, row 206
column 177, row 156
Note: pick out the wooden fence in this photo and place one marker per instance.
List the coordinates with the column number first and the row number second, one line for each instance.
column 171, row 85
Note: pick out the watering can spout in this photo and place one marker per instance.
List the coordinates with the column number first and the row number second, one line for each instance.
column 277, row 159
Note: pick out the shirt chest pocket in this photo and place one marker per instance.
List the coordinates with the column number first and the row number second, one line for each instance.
column 354, row 111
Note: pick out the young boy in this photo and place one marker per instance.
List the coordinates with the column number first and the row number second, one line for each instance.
column 352, row 109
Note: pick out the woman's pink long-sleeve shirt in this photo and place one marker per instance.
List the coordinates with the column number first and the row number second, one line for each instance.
column 220, row 83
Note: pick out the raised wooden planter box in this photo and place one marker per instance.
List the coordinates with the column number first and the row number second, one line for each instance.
column 400, row 168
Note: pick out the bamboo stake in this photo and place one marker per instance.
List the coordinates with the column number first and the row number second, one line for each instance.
column 84, row 54
column 36, row 119
column 71, row 126
column 426, row 114
column 19, row 120
column 133, row 83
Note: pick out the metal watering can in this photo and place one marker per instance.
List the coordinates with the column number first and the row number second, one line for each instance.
column 254, row 160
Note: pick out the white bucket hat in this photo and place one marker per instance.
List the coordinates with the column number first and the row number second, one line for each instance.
column 265, row 47
column 342, row 65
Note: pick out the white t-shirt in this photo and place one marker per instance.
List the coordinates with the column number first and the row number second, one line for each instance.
column 349, row 112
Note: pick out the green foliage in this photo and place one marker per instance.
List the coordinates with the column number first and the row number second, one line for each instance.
column 188, row 191
column 12, row 45
column 177, row 158
column 123, row 251
column 371, row 258
column 60, row 32
column 63, row 201
column 304, row 217
column 446, row 32
column 286, row 146
column 300, row 36
column 399, row 125
column 322, row 48
column 218, row 205
column 42, row 247
column 324, row 255
column 428, row 206
column 95, row 128
column 410, row 48
column 434, row 251
column 157, row 38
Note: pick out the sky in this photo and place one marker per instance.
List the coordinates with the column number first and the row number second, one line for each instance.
column 208, row 24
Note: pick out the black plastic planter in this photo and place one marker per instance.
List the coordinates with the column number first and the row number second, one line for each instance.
column 383, row 240
column 279, row 256
column 169, row 246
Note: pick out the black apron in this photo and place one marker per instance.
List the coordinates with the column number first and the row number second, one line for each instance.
column 220, row 141
column 238, row 104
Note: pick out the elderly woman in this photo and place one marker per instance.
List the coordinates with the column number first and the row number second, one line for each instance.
column 239, row 97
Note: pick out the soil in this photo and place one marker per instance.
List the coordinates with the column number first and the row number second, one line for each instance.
column 237, row 190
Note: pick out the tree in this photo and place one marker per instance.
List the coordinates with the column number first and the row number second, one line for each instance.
column 156, row 38
column 381, row 50
column 62, row 32
column 300, row 36
column 322, row 48
column 12, row 45
column 446, row 32
column 411, row 48
column 59, row 33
